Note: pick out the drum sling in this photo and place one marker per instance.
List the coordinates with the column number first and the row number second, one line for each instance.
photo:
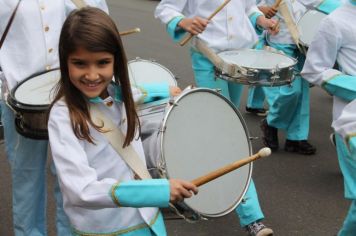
column 226, row 68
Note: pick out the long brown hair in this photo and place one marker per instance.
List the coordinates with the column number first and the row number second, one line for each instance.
column 92, row 29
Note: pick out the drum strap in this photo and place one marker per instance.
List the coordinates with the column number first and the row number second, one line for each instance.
column 116, row 139
column 292, row 27
column 79, row 3
column 227, row 68
column 7, row 28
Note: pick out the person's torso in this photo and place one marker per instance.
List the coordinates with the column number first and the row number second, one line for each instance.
column 31, row 44
column 231, row 28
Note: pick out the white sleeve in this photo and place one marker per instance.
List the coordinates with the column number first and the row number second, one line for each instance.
column 252, row 8
column 79, row 181
column 310, row 4
column 322, row 53
column 169, row 9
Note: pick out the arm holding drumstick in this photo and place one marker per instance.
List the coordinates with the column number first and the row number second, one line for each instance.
column 197, row 25
column 233, row 166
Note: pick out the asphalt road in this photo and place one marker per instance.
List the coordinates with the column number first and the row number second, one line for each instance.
column 300, row 195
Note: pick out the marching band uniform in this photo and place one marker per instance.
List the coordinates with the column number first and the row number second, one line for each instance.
column 31, row 47
column 219, row 35
column 290, row 107
column 335, row 42
column 100, row 198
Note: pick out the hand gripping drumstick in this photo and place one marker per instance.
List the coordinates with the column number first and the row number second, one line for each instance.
column 131, row 31
column 189, row 37
column 233, row 166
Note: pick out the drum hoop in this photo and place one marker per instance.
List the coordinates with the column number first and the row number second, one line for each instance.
column 17, row 105
column 261, row 69
column 138, row 59
column 244, row 125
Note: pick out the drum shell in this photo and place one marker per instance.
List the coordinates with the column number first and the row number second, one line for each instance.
column 261, row 77
column 257, row 67
column 30, row 120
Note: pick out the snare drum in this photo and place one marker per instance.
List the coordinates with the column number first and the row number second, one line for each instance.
column 30, row 99
column 259, row 67
column 199, row 132
column 308, row 26
column 148, row 71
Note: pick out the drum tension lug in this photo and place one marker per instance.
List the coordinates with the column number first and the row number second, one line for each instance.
column 172, row 102
column 252, row 138
column 218, row 90
column 162, row 130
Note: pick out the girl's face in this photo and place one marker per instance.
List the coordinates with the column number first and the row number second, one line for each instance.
column 91, row 72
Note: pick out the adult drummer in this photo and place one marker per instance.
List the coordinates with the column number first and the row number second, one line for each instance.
column 31, row 47
column 231, row 28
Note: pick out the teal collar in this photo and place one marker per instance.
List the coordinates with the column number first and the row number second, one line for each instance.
column 353, row 2
column 115, row 93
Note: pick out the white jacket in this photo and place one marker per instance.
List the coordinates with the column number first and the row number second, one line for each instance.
column 31, row 44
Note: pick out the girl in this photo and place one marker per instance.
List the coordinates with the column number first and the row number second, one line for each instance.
column 30, row 47
column 100, row 193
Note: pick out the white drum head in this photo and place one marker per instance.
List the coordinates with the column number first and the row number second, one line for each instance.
column 144, row 71
column 38, row 90
column 203, row 133
column 308, row 25
column 257, row 59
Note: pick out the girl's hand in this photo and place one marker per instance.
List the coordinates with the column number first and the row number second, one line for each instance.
column 269, row 24
column 181, row 189
column 268, row 11
column 174, row 91
column 195, row 25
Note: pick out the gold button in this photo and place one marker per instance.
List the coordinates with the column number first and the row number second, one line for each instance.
column 109, row 104
column 48, row 67
column 50, row 50
column 42, row 8
column 46, row 28
column 230, row 18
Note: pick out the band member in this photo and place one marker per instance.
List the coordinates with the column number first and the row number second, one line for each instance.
column 335, row 42
column 30, row 47
column 290, row 104
column 101, row 194
column 232, row 28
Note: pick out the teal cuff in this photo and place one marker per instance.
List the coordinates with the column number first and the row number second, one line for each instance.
column 154, row 91
column 253, row 18
column 142, row 193
column 352, row 145
column 327, row 6
column 117, row 95
column 174, row 31
column 342, row 86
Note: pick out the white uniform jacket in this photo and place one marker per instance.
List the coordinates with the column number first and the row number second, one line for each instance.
column 31, row 44
column 231, row 28
column 335, row 40
column 95, row 181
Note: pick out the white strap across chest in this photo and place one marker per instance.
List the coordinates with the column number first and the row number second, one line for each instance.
column 116, row 139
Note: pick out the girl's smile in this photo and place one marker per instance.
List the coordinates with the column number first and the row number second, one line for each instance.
column 91, row 72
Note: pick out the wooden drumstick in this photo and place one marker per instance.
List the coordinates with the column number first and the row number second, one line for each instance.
column 131, row 31
column 233, row 166
column 276, row 4
column 190, row 36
